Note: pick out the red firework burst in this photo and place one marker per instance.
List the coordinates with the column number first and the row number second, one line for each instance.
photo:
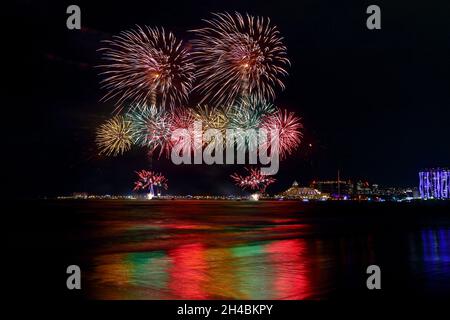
column 284, row 127
column 183, row 121
column 149, row 179
column 253, row 181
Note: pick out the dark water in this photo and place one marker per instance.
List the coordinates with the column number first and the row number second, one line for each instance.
column 238, row 250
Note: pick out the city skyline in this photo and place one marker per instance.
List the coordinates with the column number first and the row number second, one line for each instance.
column 348, row 187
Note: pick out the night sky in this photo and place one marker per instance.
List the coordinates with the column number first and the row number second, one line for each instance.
column 375, row 104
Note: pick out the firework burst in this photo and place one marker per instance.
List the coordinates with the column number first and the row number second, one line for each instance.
column 248, row 113
column 239, row 56
column 212, row 118
column 146, row 65
column 253, row 181
column 246, row 117
column 288, row 128
column 183, row 119
column 150, row 127
column 148, row 180
column 114, row 137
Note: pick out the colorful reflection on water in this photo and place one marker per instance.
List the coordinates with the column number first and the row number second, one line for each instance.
column 272, row 270
column 430, row 257
column 199, row 251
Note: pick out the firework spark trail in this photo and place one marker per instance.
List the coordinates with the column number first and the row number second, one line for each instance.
column 146, row 65
column 248, row 113
column 241, row 60
column 183, row 119
column 150, row 127
column 253, row 181
column 149, row 179
column 114, row 137
column 246, row 116
column 288, row 128
column 239, row 56
column 212, row 118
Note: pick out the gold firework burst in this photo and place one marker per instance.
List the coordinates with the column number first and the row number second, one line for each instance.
column 114, row 137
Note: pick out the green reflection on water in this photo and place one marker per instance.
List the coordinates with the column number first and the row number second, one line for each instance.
column 148, row 269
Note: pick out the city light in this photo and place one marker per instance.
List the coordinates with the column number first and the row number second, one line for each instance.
column 255, row 197
column 433, row 183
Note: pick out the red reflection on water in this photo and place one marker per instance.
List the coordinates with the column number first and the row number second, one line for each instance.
column 291, row 269
column 187, row 274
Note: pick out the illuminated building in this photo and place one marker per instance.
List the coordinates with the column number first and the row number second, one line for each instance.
column 363, row 188
column 335, row 188
column 434, row 183
column 80, row 195
column 297, row 192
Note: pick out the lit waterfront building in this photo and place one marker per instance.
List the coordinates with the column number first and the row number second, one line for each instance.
column 434, row 183
column 335, row 188
column 297, row 192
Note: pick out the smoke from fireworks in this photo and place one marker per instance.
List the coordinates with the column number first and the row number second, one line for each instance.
column 150, row 127
column 239, row 56
column 253, row 181
column 288, row 127
column 114, row 137
column 147, row 65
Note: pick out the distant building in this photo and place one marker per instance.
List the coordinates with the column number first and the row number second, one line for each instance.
column 363, row 188
column 334, row 188
column 80, row 195
column 434, row 183
column 297, row 192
